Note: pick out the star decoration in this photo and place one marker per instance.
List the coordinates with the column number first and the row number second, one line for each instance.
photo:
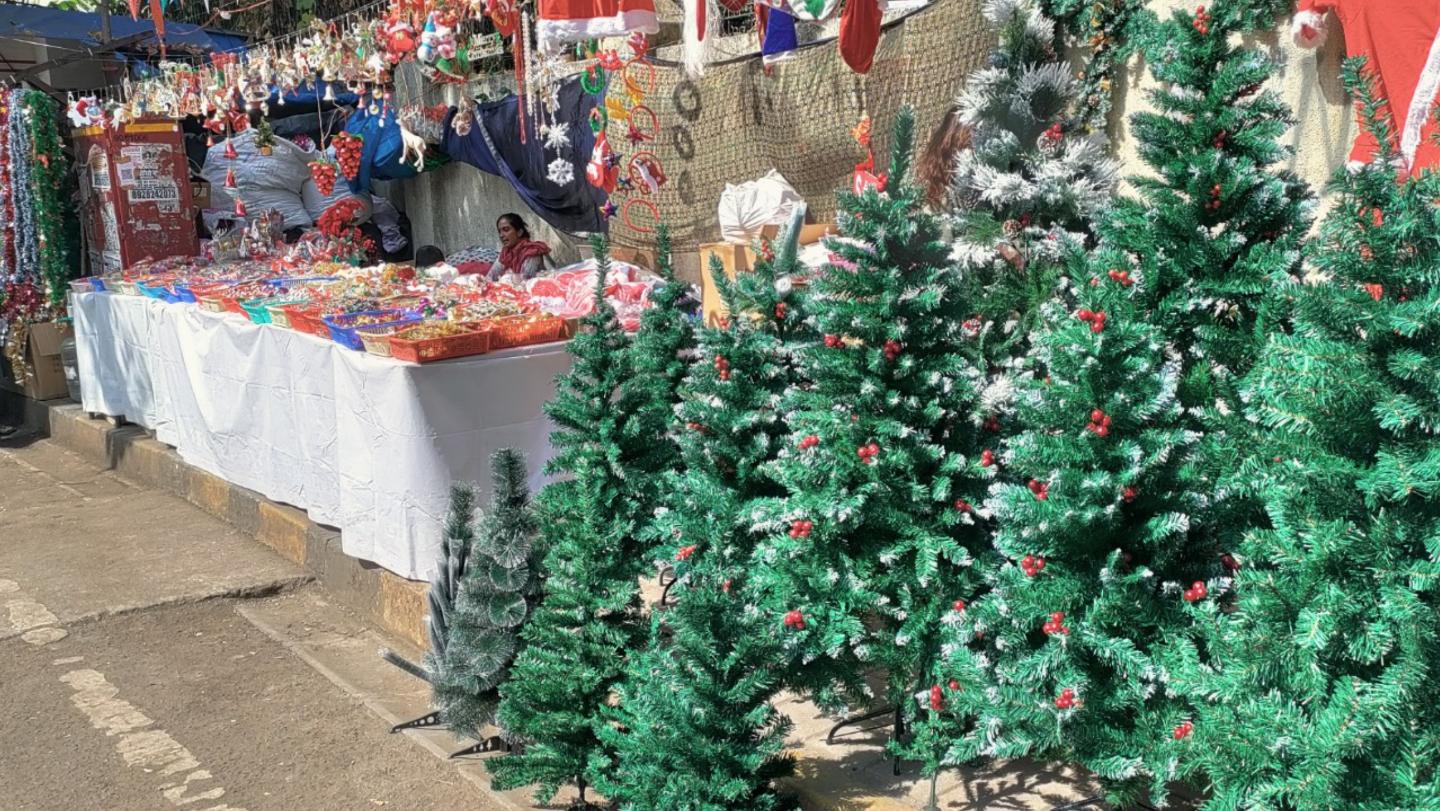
column 614, row 159
column 608, row 210
column 561, row 172
column 624, row 184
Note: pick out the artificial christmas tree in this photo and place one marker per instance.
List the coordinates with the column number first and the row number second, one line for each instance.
column 694, row 727
column 1030, row 182
column 1318, row 682
column 497, row 586
column 868, row 550
column 1114, row 512
column 589, row 614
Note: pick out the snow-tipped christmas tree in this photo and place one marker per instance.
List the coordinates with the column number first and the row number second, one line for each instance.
column 1320, row 678
column 1113, row 513
column 694, row 727
column 455, row 542
column 885, row 465
column 496, row 590
column 588, row 617
column 1031, row 180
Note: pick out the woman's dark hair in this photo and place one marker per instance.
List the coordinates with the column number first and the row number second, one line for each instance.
column 428, row 255
column 937, row 164
column 516, row 222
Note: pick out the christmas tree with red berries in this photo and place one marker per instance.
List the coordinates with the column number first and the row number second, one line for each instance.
column 1319, row 682
column 1114, row 511
column 886, row 461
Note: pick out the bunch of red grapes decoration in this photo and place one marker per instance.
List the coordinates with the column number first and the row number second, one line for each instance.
column 324, row 174
column 347, row 151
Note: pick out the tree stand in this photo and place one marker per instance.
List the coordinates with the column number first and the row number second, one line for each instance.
column 897, row 732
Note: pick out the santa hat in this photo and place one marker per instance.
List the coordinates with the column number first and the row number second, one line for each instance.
column 1308, row 29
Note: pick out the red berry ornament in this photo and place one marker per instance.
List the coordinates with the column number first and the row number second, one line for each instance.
column 987, row 458
column 685, row 552
column 801, row 528
column 347, row 151
column 1121, row 276
column 959, row 605
column 1099, row 423
column 962, row 505
column 1096, row 319
column 868, row 452
column 1229, row 562
column 1376, row 291
column 1056, row 624
column 937, row 698
column 780, row 310
column 722, row 367
column 794, row 619
column 1032, row 565
column 1183, row 730
column 1066, row 699
column 1040, row 489
column 1196, row 592
column 809, row 442
column 832, row 341
column 1129, row 494
column 892, row 350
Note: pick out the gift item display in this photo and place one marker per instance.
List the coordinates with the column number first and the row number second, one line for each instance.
column 388, row 310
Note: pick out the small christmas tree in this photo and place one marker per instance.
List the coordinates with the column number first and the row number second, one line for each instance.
column 1115, row 512
column 1319, row 679
column 886, row 462
column 497, row 588
column 264, row 136
column 660, row 356
column 1029, row 183
column 694, row 727
column 455, row 543
column 589, row 615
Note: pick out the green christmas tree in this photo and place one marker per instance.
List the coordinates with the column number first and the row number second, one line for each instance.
column 457, row 538
column 886, row 462
column 1030, row 182
column 496, row 589
column 1114, row 511
column 694, row 728
column 589, row 614
column 1319, row 679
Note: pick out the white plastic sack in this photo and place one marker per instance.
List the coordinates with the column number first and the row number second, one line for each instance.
column 264, row 182
column 749, row 207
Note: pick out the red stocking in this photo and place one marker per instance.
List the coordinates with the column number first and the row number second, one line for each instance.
column 860, row 33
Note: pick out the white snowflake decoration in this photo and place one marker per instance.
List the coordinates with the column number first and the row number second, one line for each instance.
column 561, row 172
column 557, row 136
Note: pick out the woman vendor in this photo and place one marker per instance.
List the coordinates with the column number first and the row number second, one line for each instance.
column 519, row 253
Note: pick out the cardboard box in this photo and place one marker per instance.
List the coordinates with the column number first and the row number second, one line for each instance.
column 737, row 259
column 43, row 377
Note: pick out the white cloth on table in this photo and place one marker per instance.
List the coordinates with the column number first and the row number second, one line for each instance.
column 365, row 444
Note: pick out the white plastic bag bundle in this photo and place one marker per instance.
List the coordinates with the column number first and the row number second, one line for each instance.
column 265, row 182
column 748, row 207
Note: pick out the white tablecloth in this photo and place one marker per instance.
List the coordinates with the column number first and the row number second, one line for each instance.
column 364, row 444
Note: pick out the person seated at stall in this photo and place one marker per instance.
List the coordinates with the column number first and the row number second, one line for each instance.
column 520, row 254
column 428, row 256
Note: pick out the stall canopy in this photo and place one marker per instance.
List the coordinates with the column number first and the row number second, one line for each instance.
column 83, row 28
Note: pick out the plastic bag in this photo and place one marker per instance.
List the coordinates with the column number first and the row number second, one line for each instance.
column 264, row 182
column 748, row 207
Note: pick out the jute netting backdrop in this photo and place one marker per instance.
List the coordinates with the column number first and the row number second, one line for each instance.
column 735, row 123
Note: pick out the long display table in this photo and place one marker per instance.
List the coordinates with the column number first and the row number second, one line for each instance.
column 365, row 444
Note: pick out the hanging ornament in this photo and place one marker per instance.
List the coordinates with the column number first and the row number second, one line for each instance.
column 240, row 208
column 561, row 172
column 230, row 153
column 229, row 178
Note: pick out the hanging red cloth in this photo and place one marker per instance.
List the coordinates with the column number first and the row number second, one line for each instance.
column 860, row 33
column 1400, row 40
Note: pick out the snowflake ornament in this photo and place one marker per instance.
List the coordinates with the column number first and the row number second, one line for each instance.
column 557, row 136
column 561, row 172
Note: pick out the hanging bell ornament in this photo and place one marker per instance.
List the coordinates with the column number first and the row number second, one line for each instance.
column 229, row 178
column 230, row 152
column 209, row 142
column 265, row 108
column 329, row 92
column 240, row 208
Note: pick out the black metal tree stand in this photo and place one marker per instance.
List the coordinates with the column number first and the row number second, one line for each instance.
column 431, row 720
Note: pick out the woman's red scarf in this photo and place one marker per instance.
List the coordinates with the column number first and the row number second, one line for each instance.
column 513, row 258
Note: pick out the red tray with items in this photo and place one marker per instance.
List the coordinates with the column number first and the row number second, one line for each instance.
column 308, row 319
column 409, row 344
column 523, row 330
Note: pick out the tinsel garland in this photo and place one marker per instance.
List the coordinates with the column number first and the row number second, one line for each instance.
column 33, row 167
column 7, row 202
